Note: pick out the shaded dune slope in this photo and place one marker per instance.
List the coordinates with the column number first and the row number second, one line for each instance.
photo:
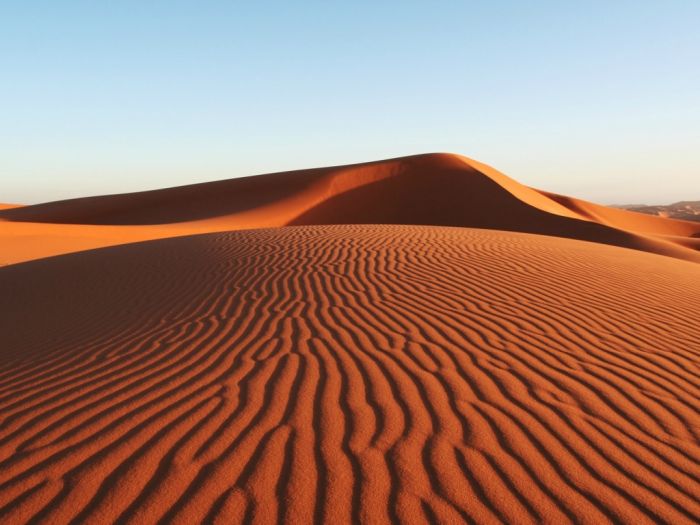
column 429, row 180
column 432, row 189
column 345, row 373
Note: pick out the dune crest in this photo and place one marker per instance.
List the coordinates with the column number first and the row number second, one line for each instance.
column 433, row 189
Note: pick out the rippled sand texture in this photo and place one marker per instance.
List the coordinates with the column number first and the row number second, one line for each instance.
column 351, row 373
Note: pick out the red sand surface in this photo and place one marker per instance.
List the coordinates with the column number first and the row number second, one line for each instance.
column 342, row 373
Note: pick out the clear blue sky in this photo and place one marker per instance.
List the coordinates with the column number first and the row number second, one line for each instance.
column 598, row 99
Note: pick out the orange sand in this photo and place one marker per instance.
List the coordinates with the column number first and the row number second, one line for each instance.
column 348, row 373
column 437, row 189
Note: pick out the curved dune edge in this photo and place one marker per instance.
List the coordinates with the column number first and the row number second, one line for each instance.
column 347, row 373
column 432, row 189
column 627, row 220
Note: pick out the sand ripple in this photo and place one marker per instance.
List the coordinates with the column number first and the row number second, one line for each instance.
column 351, row 374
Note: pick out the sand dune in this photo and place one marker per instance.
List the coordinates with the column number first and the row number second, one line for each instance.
column 417, row 340
column 682, row 210
column 433, row 189
column 351, row 373
column 628, row 220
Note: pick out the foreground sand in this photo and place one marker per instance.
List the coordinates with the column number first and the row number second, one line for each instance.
column 351, row 373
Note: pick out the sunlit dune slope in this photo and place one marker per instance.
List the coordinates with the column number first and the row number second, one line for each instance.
column 344, row 373
column 628, row 220
column 432, row 189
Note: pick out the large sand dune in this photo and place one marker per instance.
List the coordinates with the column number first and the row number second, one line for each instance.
column 451, row 369
column 345, row 373
column 433, row 189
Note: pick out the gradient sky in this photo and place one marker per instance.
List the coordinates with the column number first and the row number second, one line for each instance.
column 597, row 99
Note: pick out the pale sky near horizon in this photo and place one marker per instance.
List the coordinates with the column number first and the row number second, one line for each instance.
column 599, row 100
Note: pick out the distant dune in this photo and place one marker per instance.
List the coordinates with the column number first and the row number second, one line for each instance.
column 683, row 210
column 432, row 189
column 428, row 341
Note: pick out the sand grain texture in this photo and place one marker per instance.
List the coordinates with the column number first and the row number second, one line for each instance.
column 366, row 373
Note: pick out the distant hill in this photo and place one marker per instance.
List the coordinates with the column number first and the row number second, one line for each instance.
column 683, row 210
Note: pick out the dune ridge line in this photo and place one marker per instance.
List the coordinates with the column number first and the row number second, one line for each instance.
column 438, row 189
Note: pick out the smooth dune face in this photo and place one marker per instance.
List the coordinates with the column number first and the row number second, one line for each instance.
column 432, row 189
column 344, row 374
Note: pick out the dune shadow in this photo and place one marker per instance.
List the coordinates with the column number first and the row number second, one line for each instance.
column 456, row 198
